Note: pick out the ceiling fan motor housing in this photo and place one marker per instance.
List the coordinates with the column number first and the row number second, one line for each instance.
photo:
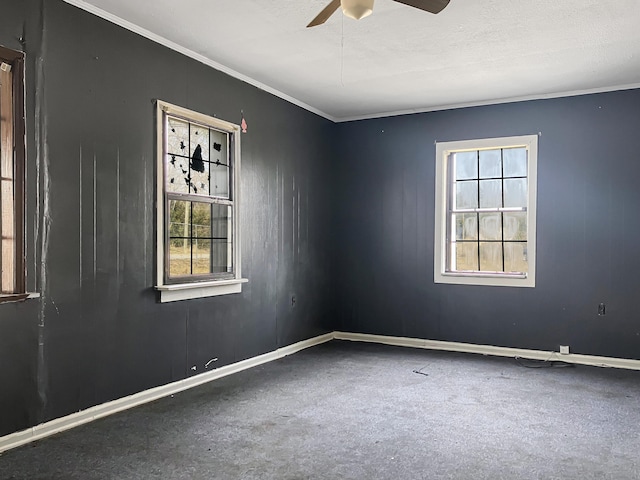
column 357, row 9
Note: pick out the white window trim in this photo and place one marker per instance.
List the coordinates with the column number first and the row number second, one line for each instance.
column 207, row 288
column 443, row 150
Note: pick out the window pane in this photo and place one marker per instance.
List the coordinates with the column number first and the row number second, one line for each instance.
column 177, row 174
column 177, row 137
column 222, row 230
column 490, row 193
column 466, row 226
column 465, row 165
column 200, row 137
column 201, row 256
column 490, row 164
column 466, row 256
column 199, row 159
column 466, row 194
column 515, row 162
column 179, row 257
column 179, row 215
column 490, row 226
column 200, row 180
column 491, row 256
column 515, row 226
column 515, row 192
column 515, row 257
column 219, row 167
column 201, row 220
column 177, row 161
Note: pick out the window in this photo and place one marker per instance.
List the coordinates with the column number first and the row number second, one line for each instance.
column 198, row 205
column 12, row 159
column 486, row 212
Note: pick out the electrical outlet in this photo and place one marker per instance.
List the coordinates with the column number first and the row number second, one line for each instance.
column 564, row 349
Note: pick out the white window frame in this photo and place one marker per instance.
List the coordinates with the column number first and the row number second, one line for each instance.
column 170, row 292
column 443, row 189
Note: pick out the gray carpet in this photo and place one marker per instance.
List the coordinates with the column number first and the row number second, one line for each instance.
column 355, row 411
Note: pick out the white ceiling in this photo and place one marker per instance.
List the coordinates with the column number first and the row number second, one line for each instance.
column 400, row 59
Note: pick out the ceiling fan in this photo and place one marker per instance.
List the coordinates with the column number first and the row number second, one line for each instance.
column 361, row 8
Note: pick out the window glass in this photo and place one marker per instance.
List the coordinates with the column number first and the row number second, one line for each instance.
column 490, row 163
column 219, row 166
column 466, row 194
column 515, row 192
column 490, row 193
column 466, row 165
column 515, row 162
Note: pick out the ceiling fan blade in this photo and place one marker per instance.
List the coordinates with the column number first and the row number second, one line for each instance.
column 431, row 6
column 324, row 15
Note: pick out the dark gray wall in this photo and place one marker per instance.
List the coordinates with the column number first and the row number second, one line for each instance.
column 587, row 241
column 98, row 333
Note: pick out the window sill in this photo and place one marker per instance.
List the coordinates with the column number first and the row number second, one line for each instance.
column 189, row 291
column 18, row 297
column 504, row 280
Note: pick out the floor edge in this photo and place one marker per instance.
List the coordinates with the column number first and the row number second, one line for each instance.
column 82, row 417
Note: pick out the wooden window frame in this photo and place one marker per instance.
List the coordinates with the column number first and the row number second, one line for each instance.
column 12, row 166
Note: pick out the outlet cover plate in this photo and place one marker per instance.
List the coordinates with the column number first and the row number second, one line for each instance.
column 564, row 349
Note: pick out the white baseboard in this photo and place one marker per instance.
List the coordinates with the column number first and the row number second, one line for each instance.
column 99, row 411
column 85, row 416
column 592, row 360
